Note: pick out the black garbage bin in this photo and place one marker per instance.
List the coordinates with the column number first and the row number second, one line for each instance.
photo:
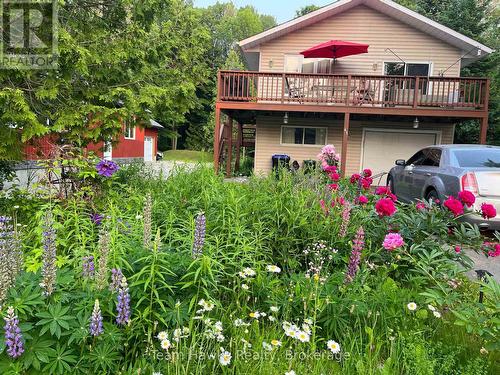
column 280, row 161
column 309, row 166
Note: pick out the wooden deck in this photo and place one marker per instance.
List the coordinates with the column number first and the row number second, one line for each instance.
column 393, row 94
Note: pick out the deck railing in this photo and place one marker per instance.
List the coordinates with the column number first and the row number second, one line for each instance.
column 353, row 90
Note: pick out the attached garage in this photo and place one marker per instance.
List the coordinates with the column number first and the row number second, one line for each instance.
column 381, row 147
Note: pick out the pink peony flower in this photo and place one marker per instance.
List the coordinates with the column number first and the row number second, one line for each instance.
column 458, row 249
column 420, row 206
column 330, row 168
column 334, row 176
column 362, row 199
column 355, row 177
column 366, row 182
column 488, row 211
column 323, row 206
column 454, row 205
column 383, row 190
column 385, row 207
column 333, row 186
column 467, row 198
column 495, row 252
column 393, row 241
column 367, row 172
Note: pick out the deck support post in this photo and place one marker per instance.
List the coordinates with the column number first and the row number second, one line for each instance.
column 229, row 136
column 345, row 139
column 239, row 143
column 217, row 139
column 484, row 130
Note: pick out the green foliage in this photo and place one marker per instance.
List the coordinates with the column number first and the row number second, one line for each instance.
column 263, row 222
column 305, row 10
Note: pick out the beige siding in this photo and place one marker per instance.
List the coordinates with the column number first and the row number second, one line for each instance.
column 365, row 25
column 269, row 137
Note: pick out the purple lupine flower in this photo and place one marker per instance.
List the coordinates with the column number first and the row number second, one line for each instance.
column 96, row 218
column 199, row 235
column 346, row 215
column 88, row 266
column 11, row 256
column 49, row 255
column 102, row 271
column 107, row 168
column 357, row 246
column 95, row 328
column 147, row 214
column 13, row 335
column 123, row 307
column 116, row 279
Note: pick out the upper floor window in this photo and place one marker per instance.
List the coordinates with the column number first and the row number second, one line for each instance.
column 129, row 131
column 293, row 63
column 303, row 135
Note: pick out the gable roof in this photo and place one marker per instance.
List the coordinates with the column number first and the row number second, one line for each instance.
column 470, row 48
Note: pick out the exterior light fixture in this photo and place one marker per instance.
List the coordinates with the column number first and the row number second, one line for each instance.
column 416, row 123
column 285, row 118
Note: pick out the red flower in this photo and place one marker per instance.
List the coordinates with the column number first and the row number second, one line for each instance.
column 333, row 186
column 496, row 252
column 355, row 177
column 367, row 172
column 458, row 249
column 330, row 168
column 488, row 211
column 362, row 199
column 467, row 198
column 340, row 200
column 383, row 190
column 323, row 206
column 366, row 182
column 420, row 206
column 454, row 205
column 385, row 207
column 334, row 176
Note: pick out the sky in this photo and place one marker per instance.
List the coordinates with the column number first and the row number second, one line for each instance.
column 283, row 10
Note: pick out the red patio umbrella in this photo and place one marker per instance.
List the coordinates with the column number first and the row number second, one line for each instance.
column 333, row 49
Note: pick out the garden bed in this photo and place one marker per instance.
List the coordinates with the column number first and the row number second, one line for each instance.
column 134, row 274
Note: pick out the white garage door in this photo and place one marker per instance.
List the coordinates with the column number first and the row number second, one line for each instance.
column 382, row 148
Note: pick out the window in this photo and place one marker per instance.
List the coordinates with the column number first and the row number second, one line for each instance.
column 303, row 135
column 432, row 157
column 408, row 69
column 416, row 159
column 293, row 63
column 129, row 131
column 478, row 158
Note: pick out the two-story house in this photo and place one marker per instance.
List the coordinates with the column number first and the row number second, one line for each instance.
column 375, row 107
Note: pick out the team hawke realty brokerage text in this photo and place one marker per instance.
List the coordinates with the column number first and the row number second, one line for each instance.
column 246, row 355
column 29, row 34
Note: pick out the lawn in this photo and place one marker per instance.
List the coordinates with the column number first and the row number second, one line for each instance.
column 305, row 274
column 188, row 155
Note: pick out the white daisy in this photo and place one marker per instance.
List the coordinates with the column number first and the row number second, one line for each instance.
column 291, row 372
column 333, row 346
column 430, row 307
column 275, row 342
column 244, row 286
column 303, row 336
column 249, row 272
column 274, row 308
column 255, row 315
column 437, row 314
column 271, row 318
column 412, row 306
column 225, row 358
column 165, row 344
column 273, row 268
column 163, row 335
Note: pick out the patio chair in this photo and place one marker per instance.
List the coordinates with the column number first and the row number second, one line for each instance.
column 365, row 92
column 295, row 88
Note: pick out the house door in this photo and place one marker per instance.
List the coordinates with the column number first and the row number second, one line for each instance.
column 108, row 151
column 148, row 148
